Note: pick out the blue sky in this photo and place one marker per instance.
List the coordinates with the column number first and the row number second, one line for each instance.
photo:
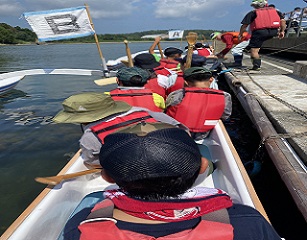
column 126, row 16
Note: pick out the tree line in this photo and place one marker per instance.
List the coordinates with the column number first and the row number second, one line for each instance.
column 18, row 35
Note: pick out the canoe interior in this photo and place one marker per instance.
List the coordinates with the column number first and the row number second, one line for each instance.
column 54, row 208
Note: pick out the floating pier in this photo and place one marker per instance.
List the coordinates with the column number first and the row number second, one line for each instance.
column 275, row 99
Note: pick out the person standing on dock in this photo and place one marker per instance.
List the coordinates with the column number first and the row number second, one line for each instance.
column 231, row 39
column 264, row 23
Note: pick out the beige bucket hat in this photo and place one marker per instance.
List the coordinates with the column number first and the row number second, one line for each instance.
column 89, row 107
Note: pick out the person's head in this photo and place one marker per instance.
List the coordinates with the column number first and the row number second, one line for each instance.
column 272, row 6
column 172, row 52
column 89, row 107
column 199, row 45
column 133, row 76
column 152, row 164
column 198, row 77
column 259, row 3
column 216, row 35
column 297, row 9
column 197, row 61
column 145, row 61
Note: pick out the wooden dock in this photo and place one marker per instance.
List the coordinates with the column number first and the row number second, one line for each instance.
column 275, row 99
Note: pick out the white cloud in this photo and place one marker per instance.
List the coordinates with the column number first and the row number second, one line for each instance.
column 10, row 8
column 98, row 8
column 195, row 10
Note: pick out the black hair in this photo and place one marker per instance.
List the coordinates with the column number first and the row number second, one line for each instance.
column 200, row 77
column 158, row 188
column 272, row 5
column 135, row 81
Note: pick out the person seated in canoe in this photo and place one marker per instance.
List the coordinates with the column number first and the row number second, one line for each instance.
column 172, row 55
column 204, row 50
column 131, row 89
column 196, row 105
column 161, row 78
column 99, row 115
column 198, row 61
column 157, row 197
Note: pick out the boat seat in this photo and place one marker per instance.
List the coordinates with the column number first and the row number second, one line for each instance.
column 86, row 204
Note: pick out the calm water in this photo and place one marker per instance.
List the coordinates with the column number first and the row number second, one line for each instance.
column 31, row 145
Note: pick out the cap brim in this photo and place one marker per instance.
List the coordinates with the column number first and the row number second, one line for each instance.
column 66, row 117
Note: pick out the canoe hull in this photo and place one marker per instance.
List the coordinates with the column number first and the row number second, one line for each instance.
column 54, row 206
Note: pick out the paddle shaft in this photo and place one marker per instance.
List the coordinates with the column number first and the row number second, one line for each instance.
column 130, row 62
column 54, row 180
column 160, row 50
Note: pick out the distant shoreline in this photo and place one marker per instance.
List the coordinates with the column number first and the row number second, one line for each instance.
column 49, row 43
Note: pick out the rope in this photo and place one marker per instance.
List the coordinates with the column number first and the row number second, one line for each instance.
column 286, row 49
column 295, row 109
column 286, row 135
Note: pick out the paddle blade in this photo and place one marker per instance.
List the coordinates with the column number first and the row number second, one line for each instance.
column 105, row 81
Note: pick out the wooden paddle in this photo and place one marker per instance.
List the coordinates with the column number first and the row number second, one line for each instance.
column 160, row 50
column 191, row 39
column 130, row 62
column 105, row 81
column 54, row 180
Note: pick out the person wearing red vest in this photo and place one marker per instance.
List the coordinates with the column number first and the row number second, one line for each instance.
column 156, row 170
column 197, row 106
column 99, row 115
column 131, row 89
column 232, row 43
column 264, row 23
column 170, row 58
column 161, row 78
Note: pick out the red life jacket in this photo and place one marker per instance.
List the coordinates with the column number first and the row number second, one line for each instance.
column 102, row 226
column 153, row 85
column 200, row 109
column 203, row 52
column 266, row 18
column 235, row 37
column 168, row 63
column 179, row 84
column 102, row 129
column 136, row 98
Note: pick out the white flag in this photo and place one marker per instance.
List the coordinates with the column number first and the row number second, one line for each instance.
column 60, row 24
column 173, row 34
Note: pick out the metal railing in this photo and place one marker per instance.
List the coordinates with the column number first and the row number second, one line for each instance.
column 296, row 22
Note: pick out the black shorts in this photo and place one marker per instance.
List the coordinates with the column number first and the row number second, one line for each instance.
column 259, row 36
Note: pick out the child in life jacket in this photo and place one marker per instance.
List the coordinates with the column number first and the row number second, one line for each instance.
column 99, row 115
column 131, row 82
column 155, row 171
column 197, row 105
column 161, row 79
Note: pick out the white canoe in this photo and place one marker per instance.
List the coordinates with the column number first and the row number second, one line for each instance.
column 46, row 216
column 9, row 83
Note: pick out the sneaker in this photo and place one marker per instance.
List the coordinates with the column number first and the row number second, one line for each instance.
column 255, row 68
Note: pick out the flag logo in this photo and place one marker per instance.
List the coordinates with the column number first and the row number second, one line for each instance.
column 60, row 24
column 173, row 34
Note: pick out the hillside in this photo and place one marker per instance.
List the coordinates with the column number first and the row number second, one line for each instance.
column 17, row 35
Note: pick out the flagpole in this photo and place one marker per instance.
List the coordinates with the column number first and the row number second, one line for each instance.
column 104, row 65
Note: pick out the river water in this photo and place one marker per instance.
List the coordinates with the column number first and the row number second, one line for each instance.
column 31, row 145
